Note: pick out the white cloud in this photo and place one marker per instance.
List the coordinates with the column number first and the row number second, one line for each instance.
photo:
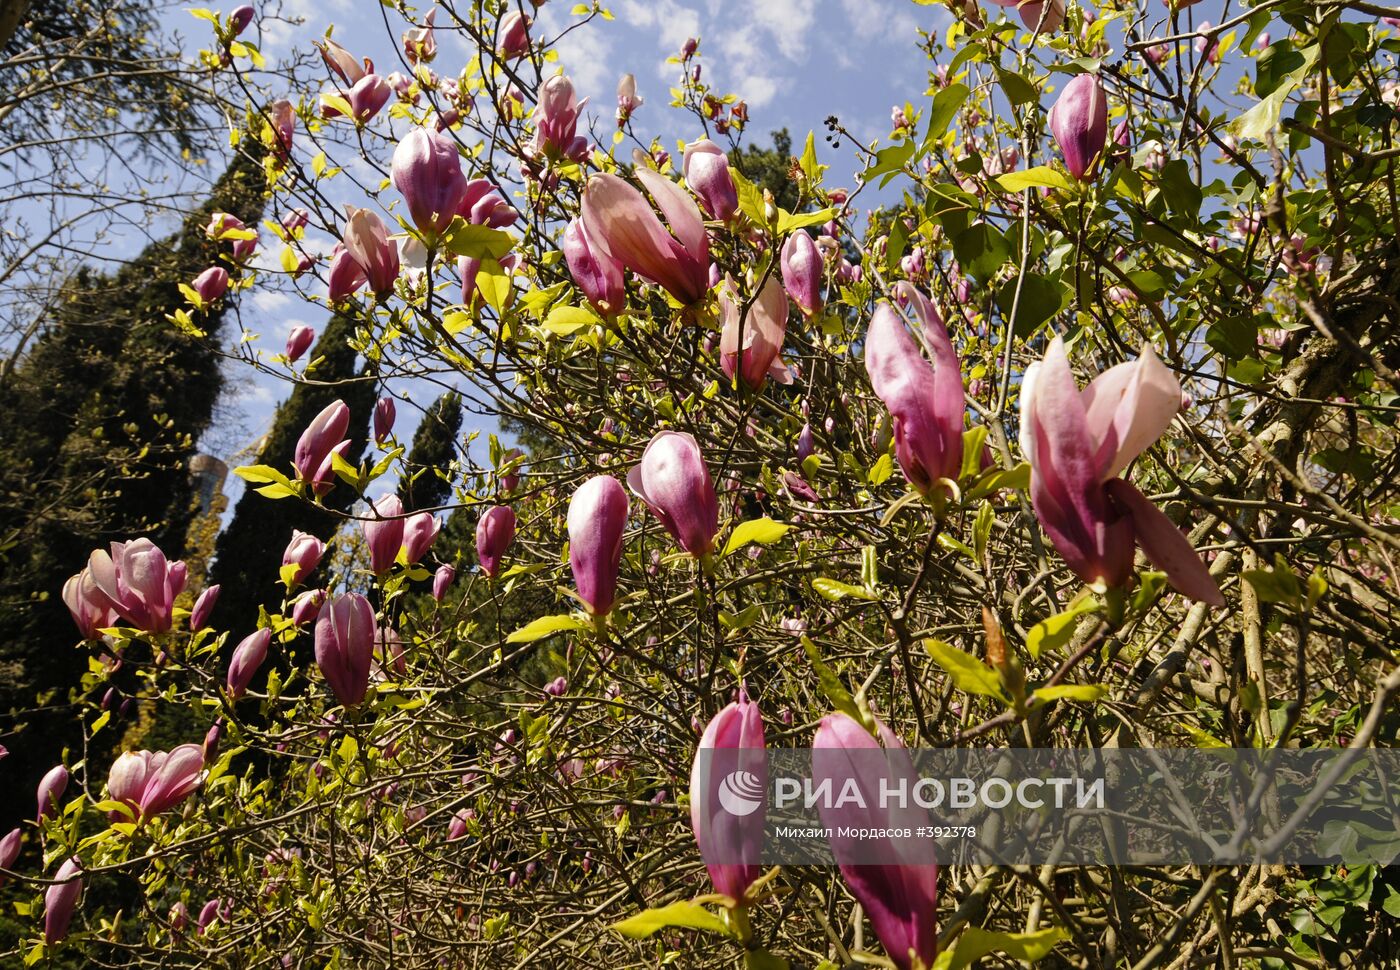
column 757, row 89
column 672, row 22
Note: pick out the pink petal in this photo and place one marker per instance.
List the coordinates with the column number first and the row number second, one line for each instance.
column 1129, row 407
column 1165, row 545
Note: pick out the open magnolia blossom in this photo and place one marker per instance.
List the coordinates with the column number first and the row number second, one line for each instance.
column 764, row 326
column 1078, row 442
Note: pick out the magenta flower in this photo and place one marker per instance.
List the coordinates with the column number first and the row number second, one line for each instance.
column 140, row 583
column 344, row 275
column 513, row 40
column 239, row 20
column 60, row 899
column 343, row 63
column 1079, row 122
column 457, row 828
column 211, row 284
column 299, row 341
column 495, row 531
column 203, row 606
column 706, row 170
column 321, row 436
column 384, row 533
column 420, row 531
column 50, row 792
column 384, row 413
column 419, row 43
column 596, row 273
column 1078, row 442
column 368, row 243
column 483, row 205
column 304, row 554
column 802, row 272
column 730, row 772
column 9, row 851
column 307, row 606
column 556, row 122
column 345, row 635
column 674, row 482
column 895, row 880
column 1042, row 15
column 597, row 519
column 153, row 782
column 248, row 656
column 621, row 224
column 628, row 100
column 442, row 579
column 764, row 330
column 284, row 123
column 427, row 171
column 925, row 401
column 91, row 609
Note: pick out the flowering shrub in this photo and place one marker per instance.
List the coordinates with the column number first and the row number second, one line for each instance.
column 865, row 471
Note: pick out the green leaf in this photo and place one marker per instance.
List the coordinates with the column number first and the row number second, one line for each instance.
column 976, row 943
column 565, row 320
column 969, row 674
column 982, row 530
column 808, row 162
column 260, row 474
column 764, row 531
column 750, row 198
column 835, row 590
column 1040, row 176
column 996, row 479
column 981, row 249
column 1274, row 585
column 477, row 242
column 946, row 104
column 1041, row 297
column 831, row 685
column 687, row 914
column 1054, row 633
column 763, row 960
column 889, row 162
column 789, row 223
column 546, row 626
column 881, row 471
column 974, row 440
column 1085, row 693
column 1018, row 89
column 1204, row 740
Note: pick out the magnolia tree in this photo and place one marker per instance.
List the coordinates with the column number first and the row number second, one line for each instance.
column 1060, row 421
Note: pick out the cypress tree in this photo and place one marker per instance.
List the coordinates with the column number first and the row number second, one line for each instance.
column 248, row 555
column 425, row 484
column 100, row 421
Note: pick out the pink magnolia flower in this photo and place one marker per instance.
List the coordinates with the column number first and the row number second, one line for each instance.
column 384, row 414
column 91, row 609
column 597, row 519
column 483, row 205
column 50, row 791
column 384, row 533
column 248, row 656
column 368, row 243
column 419, row 43
column 427, row 171
column 802, row 268
column 9, row 851
column 60, row 900
column 442, row 579
column 513, row 39
column 203, row 606
column 299, row 341
column 303, row 554
column 895, row 879
column 211, row 284
column 1078, row 442
column 307, row 606
column 628, row 100
column 323, row 434
column 925, row 401
column 1079, row 122
column 495, row 531
column 239, row 20
column 345, row 635
column 284, row 123
column 1042, row 15
column 674, row 482
column 139, row 582
column 343, row 63
column 706, row 170
column 420, row 531
column 556, row 121
column 622, row 225
column 344, row 276
column 596, row 273
column 153, row 782
column 730, row 764
column 764, row 328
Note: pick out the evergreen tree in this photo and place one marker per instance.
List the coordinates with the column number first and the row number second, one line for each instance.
column 424, row 484
column 769, row 168
column 100, row 421
column 249, row 552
